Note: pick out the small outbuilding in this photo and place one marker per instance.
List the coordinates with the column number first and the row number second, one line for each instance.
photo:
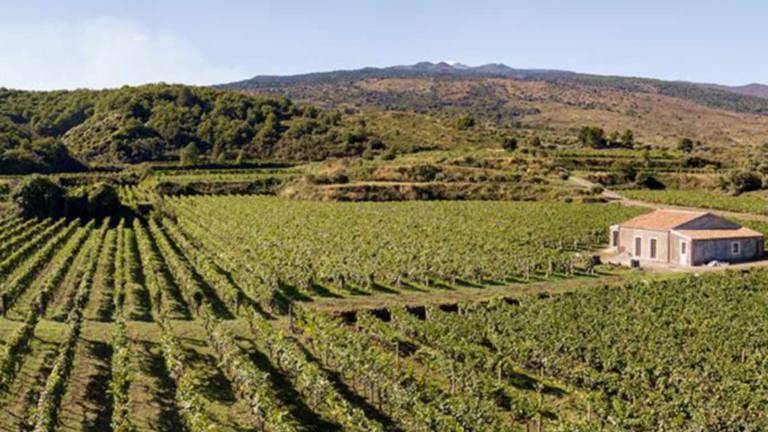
column 685, row 238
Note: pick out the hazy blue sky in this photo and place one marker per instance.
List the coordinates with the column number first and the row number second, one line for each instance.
column 79, row 43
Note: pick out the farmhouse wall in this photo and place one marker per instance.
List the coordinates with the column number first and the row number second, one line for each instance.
column 705, row 251
column 627, row 243
column 674, row 249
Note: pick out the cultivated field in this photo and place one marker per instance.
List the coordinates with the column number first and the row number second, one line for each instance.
column 200, row 320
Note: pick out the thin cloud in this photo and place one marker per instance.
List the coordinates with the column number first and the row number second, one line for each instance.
column 100, row 53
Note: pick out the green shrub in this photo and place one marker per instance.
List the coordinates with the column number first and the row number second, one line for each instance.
column 742, row 181
column 464, row 122
column 38, row 196
column 509, row 144
column 103, row 201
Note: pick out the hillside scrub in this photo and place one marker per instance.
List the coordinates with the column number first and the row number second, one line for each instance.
column 738, row 182
column 39, row 155
column 155, row 122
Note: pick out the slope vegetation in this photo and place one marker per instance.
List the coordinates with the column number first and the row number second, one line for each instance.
column 660, row 112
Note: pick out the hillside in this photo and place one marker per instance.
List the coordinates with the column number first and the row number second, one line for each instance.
column 660, row 112
column 757, row 90
column 41, row 131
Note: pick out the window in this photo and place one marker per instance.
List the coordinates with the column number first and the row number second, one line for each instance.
column 653, row 248
column 683, row 248
column 735, row 248
column 638, row 246
column 615, row 239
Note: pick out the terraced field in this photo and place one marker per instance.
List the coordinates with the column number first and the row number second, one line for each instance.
column 178, row 322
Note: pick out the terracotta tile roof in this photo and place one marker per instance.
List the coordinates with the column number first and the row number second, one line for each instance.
column 662, row 220
column 712, row 234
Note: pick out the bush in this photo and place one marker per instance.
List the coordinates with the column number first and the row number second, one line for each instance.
column 389, row 154
column 103, row 201
column 534, row 141
column 625, row 171
column 464, row 122
column 699, row 162
column 327, row 179
column 425, row 172
column 190, row 154
column 38, row 196
column 509, row 144
column 742, row 181
column 648, row 181
column 592, row 136
column 685, row 145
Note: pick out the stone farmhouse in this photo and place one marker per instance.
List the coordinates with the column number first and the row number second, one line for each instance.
column 685, row 238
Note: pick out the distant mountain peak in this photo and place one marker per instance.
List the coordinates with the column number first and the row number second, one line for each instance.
column 458, row 65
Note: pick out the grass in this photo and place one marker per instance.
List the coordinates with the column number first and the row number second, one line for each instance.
column 745, row 203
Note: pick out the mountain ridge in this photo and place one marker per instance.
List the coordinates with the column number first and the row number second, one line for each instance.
column 550, row 101
column 488, row 70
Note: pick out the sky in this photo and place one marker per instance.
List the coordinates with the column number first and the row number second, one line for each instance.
column 55, row 44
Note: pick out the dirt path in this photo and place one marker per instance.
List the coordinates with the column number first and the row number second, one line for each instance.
column 86, row 405
column 151, row 392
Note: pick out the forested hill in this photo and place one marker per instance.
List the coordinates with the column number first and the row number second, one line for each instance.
column 42, row 131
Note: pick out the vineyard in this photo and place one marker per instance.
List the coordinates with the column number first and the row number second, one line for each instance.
column 685, row 355
column 308, row 249
column 194, row 320
column 200, row 318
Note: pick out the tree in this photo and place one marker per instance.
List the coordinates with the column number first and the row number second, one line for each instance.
column 685, row 145
column 190, row 154
column 592, row 136
column 647, row 160
column 743, row 181
column 38, row 196
column 626, row 171
column 628, row 139
column 269, row 132
column 509, row 144
column 103, row 201
column 613, row 140
column 217, row 153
